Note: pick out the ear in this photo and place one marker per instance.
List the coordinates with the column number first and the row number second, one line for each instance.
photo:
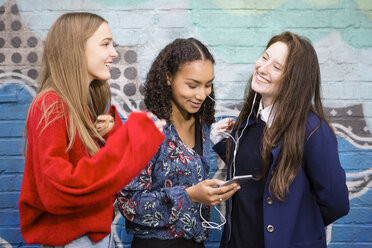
column 169, row 79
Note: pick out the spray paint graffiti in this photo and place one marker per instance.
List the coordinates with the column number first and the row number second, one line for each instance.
column 236, row 33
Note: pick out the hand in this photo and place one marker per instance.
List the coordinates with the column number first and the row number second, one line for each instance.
column 223, row 125
column 205, row 193
column 159, row 123
column 221, row 130
column 104, row 124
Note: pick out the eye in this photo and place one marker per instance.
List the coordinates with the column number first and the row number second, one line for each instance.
column 264, row 57
column 191, row 86
column 277, row 67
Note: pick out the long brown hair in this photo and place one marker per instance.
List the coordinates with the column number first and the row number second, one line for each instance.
column 64, row 70
column 299, row 92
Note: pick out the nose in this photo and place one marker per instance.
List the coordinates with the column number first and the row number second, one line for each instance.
column 114, row 53
column 201, row 95
column 263, row 68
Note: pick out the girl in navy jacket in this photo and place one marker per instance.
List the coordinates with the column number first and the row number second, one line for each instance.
column 282, row 137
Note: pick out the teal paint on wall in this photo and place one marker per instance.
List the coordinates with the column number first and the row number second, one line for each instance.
column 339, row 29
column 240, row 38
column 120, row 2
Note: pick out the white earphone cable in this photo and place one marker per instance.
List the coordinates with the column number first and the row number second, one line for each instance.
column 211, row 224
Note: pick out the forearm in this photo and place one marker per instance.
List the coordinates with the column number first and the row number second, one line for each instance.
column 97, row 177
column 154, row 208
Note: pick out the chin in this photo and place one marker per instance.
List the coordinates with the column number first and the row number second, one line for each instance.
column 194, row 111
column 254, row 87
column 104, row 78
column 259, row 88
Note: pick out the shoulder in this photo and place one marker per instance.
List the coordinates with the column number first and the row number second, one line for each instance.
column 47, row 106
column 317, row 126
column 312, row 120
column 47, row 99
column 205, row 126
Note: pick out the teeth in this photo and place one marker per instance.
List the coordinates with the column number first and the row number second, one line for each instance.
column 107, row 64
column 261, row 78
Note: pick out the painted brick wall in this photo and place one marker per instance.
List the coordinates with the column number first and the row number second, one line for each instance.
column 236, row 32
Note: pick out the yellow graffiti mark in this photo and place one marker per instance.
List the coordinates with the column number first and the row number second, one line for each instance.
column 366, row 7
column 321, row 3
column 248, row 7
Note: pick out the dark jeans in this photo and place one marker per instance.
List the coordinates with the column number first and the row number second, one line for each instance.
column 168, row 243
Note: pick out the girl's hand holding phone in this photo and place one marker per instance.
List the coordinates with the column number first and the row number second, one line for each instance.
column 210, row 192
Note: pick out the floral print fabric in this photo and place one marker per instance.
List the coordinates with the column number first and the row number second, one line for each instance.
column 156, row 204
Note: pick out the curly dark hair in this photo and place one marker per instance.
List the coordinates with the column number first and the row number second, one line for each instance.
column 158, row 94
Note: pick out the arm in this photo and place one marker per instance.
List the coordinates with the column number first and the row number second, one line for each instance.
column 88, row 180
column 163, row 207
column 145, row 206
column 140, row 203
column 220, row 149
column 221, row 130
column 326, row 175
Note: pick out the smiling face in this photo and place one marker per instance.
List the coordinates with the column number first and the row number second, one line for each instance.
column 191, row 85
column 99, row 53
column 268, row 71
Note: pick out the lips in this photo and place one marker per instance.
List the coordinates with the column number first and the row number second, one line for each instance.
column 262, row 79
column 108, row 65
column 195, row 104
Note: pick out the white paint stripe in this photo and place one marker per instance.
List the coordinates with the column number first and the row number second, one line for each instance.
column 359, row 174
column 31, row 90
column 354, row 184
column 4, row 243
column 120, row 95
column 345, row 136
column 351, row 185
column 14, row 74
column 361, row 192
column 352, row 135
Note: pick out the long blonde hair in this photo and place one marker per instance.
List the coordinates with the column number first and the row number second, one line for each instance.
column 64, row 70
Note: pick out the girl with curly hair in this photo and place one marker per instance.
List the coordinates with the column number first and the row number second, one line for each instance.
column 283, row 138
column 163, row 205
column 77, row 158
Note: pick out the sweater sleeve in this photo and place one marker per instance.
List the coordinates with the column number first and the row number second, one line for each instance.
column 220, row 149
column 153, row 208
column 64, row 186
column 326, row 175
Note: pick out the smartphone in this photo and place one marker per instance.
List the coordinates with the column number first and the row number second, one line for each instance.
column 238, row 179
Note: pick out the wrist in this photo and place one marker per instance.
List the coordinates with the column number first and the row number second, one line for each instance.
column 190, row 191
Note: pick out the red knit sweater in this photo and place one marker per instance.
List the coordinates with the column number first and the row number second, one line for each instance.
column 66, row 195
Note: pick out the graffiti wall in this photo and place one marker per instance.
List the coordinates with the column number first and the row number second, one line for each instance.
column 236, row 32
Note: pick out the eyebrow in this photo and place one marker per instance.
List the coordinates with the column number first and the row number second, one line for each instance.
column 198, row 82
column 108, row 38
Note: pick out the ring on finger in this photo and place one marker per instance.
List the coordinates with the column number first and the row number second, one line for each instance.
column 220, row 198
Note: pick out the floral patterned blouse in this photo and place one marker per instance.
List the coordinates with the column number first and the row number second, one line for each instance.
column 156, row 204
